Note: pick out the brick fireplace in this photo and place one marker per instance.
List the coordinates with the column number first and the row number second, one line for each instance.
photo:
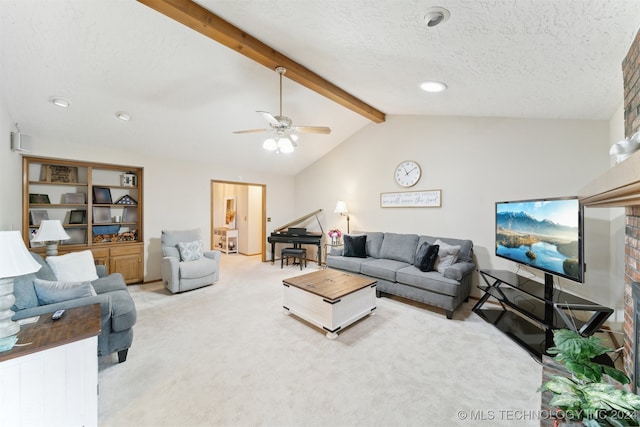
column 620, row 187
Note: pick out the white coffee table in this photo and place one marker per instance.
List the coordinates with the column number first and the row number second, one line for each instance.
column 329, row 299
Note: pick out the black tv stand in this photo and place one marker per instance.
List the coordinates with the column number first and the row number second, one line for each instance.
column 529, row 311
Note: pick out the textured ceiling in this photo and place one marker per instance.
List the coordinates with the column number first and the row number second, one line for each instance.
column 187, row 94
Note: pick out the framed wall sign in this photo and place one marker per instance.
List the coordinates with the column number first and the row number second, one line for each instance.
column 102, row 195
column 412, row 199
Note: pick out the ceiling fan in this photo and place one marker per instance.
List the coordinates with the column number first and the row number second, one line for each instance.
column 282, row 128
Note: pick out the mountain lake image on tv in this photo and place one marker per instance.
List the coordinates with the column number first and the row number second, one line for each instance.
column 545, row 234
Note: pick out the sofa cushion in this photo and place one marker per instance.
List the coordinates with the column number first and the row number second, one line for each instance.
column 24, row 293
column 355, row 246
column 399, row 247
column 431, row 281
column 382, row 268
column 190, row 251
column 351, row 264
column 447, row 255
column 74, row 266
column 374, row 243
column 49, row 292
column 196, row 269
column 426, row 256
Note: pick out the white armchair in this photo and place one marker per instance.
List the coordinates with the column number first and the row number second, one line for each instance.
column 185, row 265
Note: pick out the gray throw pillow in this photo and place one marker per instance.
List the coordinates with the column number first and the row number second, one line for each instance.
column 190, row 251
column 49, row 292
column 355, row 246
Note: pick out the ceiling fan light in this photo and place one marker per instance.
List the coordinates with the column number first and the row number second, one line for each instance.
column 270, row 144
column 285, row 145
column 294, row 137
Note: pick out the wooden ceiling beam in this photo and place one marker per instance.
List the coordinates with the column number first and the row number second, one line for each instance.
column 205, row 22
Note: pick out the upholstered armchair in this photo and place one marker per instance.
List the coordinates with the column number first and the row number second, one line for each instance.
column 185, row 265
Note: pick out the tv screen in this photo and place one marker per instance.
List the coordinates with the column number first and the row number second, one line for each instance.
column 545, row 234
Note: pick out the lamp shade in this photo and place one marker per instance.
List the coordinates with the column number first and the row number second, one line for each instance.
column 50, row 230
column 341, row 208
column 15, row 259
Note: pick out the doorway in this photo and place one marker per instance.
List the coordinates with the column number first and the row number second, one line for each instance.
column 240, row 206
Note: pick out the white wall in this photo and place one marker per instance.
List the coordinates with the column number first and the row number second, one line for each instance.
column 176, row 193
column 475, row 162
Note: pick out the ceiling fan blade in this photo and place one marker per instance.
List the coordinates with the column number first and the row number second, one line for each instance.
column 313, row 129
column 270, row 118
column 252, row 131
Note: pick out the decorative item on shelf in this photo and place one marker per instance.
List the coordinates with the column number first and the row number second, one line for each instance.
column 128, row 236
column 126, row 200
column 129, row 179
column 625, row 148
column 129, row 214
column 78, row 217
column 335, row 235
column 101, row 214
column 15, row 260
column 50, row 233
column 36, row 216
column 39, row 199
column 102, row 195
column 341, row 208
column 105, row 230
column 116, row 218
column 78, row 236
column 59, row 173
column 73, row 199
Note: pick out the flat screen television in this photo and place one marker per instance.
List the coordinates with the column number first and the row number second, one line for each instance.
column 546, row 234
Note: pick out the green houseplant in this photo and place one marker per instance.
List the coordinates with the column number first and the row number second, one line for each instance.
column 586, row 396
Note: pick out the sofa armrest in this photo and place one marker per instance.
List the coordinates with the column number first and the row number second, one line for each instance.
column 113, row 282
column 171, row 273
column 215, row 255
column 458, row 270
column 103, row 300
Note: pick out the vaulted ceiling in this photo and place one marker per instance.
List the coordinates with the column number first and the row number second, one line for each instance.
column 186, row 93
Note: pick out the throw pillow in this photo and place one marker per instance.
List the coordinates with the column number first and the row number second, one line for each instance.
column 52, row 292
column 190, row 251
column 74, row 267
column 355, row 246
column 447, row 255
column 427, row 256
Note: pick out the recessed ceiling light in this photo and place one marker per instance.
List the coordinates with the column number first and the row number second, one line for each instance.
column 60, row 102
column 433, row 86
column 436, row 16
column 123, row 115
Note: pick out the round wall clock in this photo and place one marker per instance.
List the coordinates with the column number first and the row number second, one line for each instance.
column 408, row 173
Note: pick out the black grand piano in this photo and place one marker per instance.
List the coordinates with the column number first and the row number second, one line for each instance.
column 297, row 236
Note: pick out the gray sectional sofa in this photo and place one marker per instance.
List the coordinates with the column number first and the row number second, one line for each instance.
column 391, row 259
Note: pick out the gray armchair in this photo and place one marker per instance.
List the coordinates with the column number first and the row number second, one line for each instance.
column 179, row 275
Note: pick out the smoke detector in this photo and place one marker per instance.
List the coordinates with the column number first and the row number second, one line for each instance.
column 435, row 16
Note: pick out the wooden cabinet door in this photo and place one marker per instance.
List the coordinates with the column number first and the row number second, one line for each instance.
column 128, row 261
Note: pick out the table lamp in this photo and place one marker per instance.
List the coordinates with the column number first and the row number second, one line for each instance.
column 15, row 260
column 341, row 208
column 51, row 232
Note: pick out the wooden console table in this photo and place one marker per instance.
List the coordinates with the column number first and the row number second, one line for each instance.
column 54, row 379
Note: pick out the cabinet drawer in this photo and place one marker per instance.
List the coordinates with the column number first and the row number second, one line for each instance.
column 100, row 253
column 126, row 250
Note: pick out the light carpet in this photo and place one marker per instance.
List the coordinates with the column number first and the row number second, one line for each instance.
column 227, row 355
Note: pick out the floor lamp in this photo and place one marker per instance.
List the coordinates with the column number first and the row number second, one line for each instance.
column 15, row 260
column 51, row 232
column 341, row 208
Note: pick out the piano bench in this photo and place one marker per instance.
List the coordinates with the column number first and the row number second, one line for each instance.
column 299, row 253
